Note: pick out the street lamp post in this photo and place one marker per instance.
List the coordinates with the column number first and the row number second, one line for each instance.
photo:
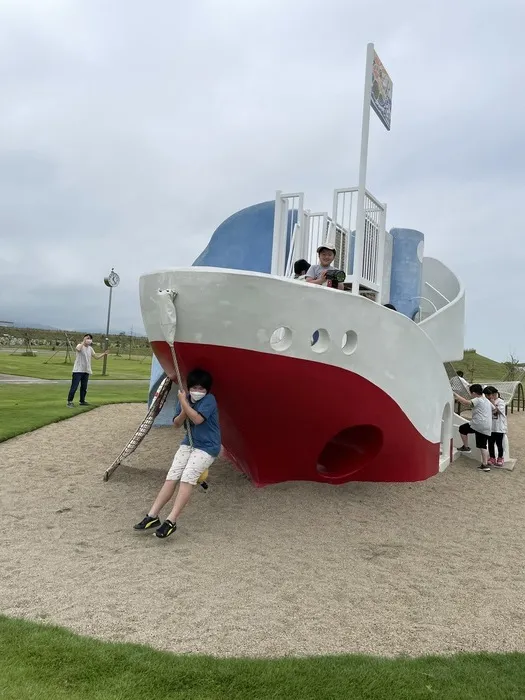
column 110, row 281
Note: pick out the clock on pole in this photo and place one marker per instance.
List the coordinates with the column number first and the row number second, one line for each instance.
column 112, row 280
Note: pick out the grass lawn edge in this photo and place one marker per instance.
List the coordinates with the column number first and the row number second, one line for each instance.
column 56, row 663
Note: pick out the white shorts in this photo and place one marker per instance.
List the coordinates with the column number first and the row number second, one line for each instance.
column 189, row 464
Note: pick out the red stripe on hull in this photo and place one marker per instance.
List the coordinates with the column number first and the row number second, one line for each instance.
column 287, row 419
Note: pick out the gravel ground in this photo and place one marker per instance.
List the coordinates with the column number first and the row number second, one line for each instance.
column 293, row 569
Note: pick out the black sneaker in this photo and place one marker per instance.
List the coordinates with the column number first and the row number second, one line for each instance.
column 84, row 403
column 484, row 468
column 464, row 449
column 70, row 404
column 166, row 529
column 147, row 523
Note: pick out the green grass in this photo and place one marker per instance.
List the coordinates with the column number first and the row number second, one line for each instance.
column 117, row 367
column 478, row 368
column 25, row 407
column 47, row 663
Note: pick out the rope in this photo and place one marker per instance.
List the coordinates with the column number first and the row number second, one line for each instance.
column 179, row 382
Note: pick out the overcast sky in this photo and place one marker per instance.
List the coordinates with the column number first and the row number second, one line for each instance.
column 129, row 130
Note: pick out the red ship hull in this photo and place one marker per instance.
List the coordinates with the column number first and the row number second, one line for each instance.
column 285, row 419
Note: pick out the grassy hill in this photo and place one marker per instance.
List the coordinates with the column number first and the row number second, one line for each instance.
column 478, row 368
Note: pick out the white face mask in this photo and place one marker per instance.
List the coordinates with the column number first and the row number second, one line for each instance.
column 88, row 341
column 197, row 395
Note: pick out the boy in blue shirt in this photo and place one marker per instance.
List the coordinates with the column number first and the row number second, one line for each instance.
column 197, row 410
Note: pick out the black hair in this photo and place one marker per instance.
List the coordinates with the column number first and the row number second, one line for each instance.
column 460, row 373
column 88, row 335
column 390, row 306
column 476, row 389
column 199, row 377
column 300, row 267
column 488, row 390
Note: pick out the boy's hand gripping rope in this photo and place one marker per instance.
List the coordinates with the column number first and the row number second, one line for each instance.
column 168, row 321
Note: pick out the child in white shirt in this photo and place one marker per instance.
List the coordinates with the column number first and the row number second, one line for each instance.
column 499, row 426
column 480, row 424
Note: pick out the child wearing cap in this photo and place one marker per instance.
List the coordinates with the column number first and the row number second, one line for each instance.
column 317, row 273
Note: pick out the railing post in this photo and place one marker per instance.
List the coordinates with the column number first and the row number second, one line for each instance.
column 294, row 238
column 301, row 237
column 279, row 237
column 381, row 253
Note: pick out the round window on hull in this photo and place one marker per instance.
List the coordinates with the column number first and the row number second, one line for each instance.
column 349, row 342
column 281, row 339
column 320, row 340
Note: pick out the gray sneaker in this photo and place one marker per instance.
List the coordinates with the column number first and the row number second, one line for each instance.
column 484, row 468
column 464, row 449
column 70, row 404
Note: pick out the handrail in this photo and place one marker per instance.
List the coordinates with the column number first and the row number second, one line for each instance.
column 424, row 299
column 437, row 292
column 291, row 253
column 378, row 204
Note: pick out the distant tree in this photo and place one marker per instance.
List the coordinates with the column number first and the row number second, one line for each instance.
column 120, row 342
column 512, row 368
column 471, row 366
column 28, row 340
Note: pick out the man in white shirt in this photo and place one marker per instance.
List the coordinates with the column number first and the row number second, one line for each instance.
column 82, row 370
column 480, row 424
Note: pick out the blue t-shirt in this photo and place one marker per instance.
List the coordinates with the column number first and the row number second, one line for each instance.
column 207, row 435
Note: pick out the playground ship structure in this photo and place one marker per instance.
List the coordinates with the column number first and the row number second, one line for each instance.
column 315, row 383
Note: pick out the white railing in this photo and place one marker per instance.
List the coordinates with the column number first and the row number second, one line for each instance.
column 421, row 314
column 344, row 216
column 298, row 233
column 317, row 227
column 289, row 211
column 373, row 242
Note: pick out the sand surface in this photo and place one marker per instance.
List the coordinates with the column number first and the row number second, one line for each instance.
column 287, row 570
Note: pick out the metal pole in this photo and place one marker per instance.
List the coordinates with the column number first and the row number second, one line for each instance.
column 277, row 235
column 105, row 361
column 365, row 129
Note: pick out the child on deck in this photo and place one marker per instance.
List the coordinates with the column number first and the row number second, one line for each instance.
column 499, row 426
column 480, row 424
column 317, row 273
column 198, row 411
column 300, row 268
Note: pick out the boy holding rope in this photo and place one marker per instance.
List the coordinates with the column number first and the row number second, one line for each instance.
column 197, row 410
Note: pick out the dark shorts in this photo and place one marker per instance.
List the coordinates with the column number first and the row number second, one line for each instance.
column 481, row 440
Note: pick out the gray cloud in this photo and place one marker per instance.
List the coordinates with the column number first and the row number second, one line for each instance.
column 129, row 131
